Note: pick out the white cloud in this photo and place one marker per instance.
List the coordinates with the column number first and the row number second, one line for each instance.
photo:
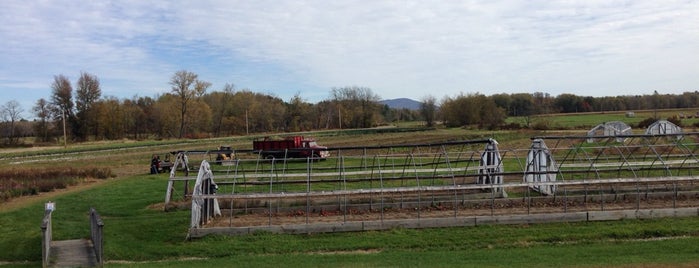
column 398, row 48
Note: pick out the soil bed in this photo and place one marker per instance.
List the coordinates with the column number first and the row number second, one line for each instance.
column 377, row 211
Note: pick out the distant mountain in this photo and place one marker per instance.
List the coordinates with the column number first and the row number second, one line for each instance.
column 402, row 103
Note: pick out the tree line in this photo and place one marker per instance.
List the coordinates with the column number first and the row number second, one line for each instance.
column 190, row 109
column 187, row 110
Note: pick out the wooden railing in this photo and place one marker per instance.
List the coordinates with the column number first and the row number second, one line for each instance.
column 96, row 226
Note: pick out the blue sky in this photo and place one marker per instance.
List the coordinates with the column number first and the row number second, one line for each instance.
column 397, row 48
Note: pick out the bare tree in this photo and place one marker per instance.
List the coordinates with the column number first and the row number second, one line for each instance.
column 11, row 113
column 187, row 87
column 87, row 93
column 428, row 109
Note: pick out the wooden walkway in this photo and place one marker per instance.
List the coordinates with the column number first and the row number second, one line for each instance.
column 73, row 253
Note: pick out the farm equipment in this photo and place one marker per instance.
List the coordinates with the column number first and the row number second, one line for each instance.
column 290, row 147
column 224, row 155
column 158, row 165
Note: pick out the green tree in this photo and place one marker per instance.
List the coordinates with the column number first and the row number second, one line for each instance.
column 42, row 128
column 568, row 103
column 428, row 109
column 358, row 106
column 472, row 109
column 167, row 121
column 149, row 122
column 62, row 101
column 491, row 116
column 220, row 106
column 298, row 114
column 134, row 118
column 543, row 103
column 326, row 116
column 111, row 115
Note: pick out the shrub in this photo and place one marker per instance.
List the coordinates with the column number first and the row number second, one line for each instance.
column 541, row 125
column 512, row 126
column 675, row 120
column 645, row 123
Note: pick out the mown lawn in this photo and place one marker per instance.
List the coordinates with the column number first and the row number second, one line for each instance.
column 139, row 234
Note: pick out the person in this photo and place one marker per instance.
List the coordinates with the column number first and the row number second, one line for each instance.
column 154, row 164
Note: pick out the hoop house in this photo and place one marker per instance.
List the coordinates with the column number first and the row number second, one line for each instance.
column 663, row 127
column 613, row 128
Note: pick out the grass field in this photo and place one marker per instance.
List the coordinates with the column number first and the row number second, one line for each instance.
column 139, row 234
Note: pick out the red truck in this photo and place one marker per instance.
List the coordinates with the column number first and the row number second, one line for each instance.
column 290, row 147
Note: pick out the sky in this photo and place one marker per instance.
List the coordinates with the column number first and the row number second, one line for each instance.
column 398, row 49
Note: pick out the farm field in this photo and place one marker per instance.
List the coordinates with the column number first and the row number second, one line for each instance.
column 139, row 234
column 586, row 121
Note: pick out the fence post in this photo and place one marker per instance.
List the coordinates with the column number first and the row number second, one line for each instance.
column 46, row 234
column 96, row 226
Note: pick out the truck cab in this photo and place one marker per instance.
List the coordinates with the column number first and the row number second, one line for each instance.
column 322, row 151
column 290, row 147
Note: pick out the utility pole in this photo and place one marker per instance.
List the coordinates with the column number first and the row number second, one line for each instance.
column 65, row 137
column 247, row 127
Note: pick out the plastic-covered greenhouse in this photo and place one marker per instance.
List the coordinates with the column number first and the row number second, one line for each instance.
column 613, row 128
column 662, row 127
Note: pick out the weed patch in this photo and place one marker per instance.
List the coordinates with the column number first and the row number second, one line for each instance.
column 24, row 181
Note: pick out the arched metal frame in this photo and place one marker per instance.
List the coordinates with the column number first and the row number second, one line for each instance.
column 462, row 177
